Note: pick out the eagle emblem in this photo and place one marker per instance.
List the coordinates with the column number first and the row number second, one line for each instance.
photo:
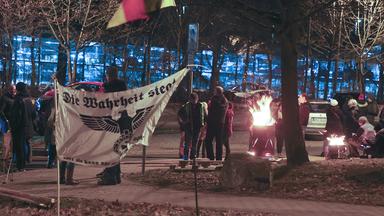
column 125, row 126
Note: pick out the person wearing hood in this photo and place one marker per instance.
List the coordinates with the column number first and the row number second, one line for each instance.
column 372, row 109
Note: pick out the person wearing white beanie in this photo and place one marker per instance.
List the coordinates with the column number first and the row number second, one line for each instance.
column 334, row 125
column 333, row 102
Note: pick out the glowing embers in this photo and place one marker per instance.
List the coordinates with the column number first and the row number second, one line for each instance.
column 261, row 112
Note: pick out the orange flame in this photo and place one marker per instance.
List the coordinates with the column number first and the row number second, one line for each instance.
column 335, row 140
column 261, row 112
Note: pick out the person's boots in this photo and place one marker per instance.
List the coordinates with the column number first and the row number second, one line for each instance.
column 70, row 180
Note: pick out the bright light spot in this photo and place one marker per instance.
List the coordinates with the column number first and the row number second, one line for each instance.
column 335, row 140
column 251, row 153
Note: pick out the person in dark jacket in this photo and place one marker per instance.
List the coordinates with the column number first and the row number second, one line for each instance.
column 217, row 109
column 49, row 136
column 111, row 175
column 303, row 110
column 277, row 113
column 193, row 119
column 228, row 130
column 334, row 125
column 22, row 115
column 6, row 103
column 351, row 125
column 372, row 109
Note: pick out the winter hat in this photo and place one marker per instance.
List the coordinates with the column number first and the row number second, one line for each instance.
column 352, row 103
column 21, row 87
column 361, row 97
column 334, row 102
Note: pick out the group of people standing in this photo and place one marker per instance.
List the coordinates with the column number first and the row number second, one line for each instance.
column 201, row 122
column 17, row 114
column 355, row 120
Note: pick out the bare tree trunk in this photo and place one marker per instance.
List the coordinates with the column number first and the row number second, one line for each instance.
column 236, row 69
column 293, row 136
column 69, row 66
column 308, row 54
column 336, row 72
column 245, row 75
column 39, row 60
column 8, row 60
column 33, row 63
column 74, row 71
column 125, row 63
column 270, row 70
column 380, row 90
column 61, row 65
column 326, row 79
column 215, row 67
column 14, row 70
column 312, row 85
column 360, row 77
column 146, row 78
column 83, row 67
column 254, row 68
column 335, row 75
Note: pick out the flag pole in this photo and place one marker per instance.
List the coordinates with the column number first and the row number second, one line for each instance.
column 58, row 161
column 193, row 42
column 58, row 187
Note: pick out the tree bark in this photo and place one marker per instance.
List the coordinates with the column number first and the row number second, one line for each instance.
column 69, row 66
column 293, row 136
column 236, row 69
column 335, row 75
column 39, row 60
column 146, row 78
column 125, row 63
column 61, row 66
column 14, row 69
column 270, row 70
column 312, row 85
column 326, row 79
column 308, row 54
column 380, row 90
column 245, row 75
column 33, row 63
column 215, row 69
column 74, row 71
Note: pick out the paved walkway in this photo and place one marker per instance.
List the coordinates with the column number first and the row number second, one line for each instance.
column 43, row 182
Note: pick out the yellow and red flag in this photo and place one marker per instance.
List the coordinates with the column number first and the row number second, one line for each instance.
column 131, row 10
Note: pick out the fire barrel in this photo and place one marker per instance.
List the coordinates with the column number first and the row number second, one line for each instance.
column 262, row 140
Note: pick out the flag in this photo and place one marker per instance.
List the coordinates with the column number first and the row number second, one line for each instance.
column 131, row 10
column 98, row 129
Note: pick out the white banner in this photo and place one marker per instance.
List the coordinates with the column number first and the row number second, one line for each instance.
column 99, row 128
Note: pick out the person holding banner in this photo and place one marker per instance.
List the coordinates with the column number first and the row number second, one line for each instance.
column 111, row 175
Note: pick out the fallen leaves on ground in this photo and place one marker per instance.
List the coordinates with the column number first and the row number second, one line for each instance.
column 80, row 207
column 354, row 181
